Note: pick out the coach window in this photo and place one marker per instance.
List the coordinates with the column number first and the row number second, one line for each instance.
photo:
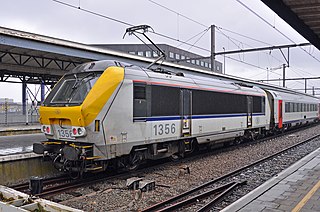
column 287, row 107
column 299, row 107
column 171, row 55
column 193, row 61
column 132, row 52
column 202, row 63
column 258, row 104
column 139, row 100
column 140, row 53
column 291, row 107
column 183, row 57
column 197, row 62
column 188, row 59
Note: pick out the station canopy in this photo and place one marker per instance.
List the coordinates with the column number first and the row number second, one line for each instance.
column 302, row 15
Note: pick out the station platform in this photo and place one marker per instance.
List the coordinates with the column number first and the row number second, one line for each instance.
column 295, row 189
column 18, row 139
column 19, row 129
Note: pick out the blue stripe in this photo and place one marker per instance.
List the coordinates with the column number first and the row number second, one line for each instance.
column 169, row 118
column 218, row 116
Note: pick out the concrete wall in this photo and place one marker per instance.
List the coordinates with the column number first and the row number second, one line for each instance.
column 15, row 171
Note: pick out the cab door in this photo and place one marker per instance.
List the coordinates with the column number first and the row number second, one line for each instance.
column 249, row 111
column 280, row 115
column 185, row 112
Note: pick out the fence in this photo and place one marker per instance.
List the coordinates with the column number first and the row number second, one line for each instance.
column 12, row 113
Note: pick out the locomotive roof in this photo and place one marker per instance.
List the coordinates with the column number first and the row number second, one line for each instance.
column 187, row 72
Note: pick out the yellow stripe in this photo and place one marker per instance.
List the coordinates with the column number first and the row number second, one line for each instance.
column 81, row 147
column 101, row 92
column 306, row 198
column 52, row 142
column 92, row 158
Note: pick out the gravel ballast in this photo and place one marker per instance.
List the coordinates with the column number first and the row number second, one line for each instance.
column 172, row 179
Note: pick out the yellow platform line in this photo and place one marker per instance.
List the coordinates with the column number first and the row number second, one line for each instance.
column 306, row 198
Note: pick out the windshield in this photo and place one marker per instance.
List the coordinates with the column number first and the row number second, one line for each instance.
column 72, row 89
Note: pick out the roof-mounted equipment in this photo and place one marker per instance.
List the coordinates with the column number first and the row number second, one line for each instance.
column 142, row 29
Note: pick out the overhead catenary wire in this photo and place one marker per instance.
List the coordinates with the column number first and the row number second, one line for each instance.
column 204, row 25
column 199, row 38
column 219, row 29
column 196, row 35
column 272, row 26
column 242, row 35
column 126, row 23
column 156, row 33
column 232, row 39
column 184, row 16
column 246, row 63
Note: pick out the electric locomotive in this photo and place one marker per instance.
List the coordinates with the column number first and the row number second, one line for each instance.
column 110, row 113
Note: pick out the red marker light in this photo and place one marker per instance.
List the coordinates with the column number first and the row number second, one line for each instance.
column 74, row 131
column 48, row 130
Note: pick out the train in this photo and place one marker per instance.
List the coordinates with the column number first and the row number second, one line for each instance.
column 109, row 113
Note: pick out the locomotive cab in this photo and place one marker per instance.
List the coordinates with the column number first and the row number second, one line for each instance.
column 69, row 116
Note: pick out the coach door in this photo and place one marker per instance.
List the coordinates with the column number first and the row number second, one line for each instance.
column 280, row 114
column 186, row 112
column 249, row 111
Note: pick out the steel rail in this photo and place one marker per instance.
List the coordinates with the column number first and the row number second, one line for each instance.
column 219, row 191
column 209, row 205
column 157, row 206
column 46, row 181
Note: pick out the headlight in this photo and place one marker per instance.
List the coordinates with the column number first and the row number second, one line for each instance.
column 46, row 129
column 78, row 131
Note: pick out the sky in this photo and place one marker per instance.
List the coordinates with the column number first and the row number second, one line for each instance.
column 179, row 20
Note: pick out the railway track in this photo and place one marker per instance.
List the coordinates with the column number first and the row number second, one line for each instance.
column 175, row 202
column 24, row 187
column 56, row 185
column 204, row 197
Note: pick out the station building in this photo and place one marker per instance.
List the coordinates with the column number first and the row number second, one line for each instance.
column 173, row 54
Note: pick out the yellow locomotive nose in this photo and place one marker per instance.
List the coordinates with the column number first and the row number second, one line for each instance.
column 62, row 122
column 65, row 116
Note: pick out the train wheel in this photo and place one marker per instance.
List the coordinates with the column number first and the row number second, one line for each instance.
column 134, row 161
